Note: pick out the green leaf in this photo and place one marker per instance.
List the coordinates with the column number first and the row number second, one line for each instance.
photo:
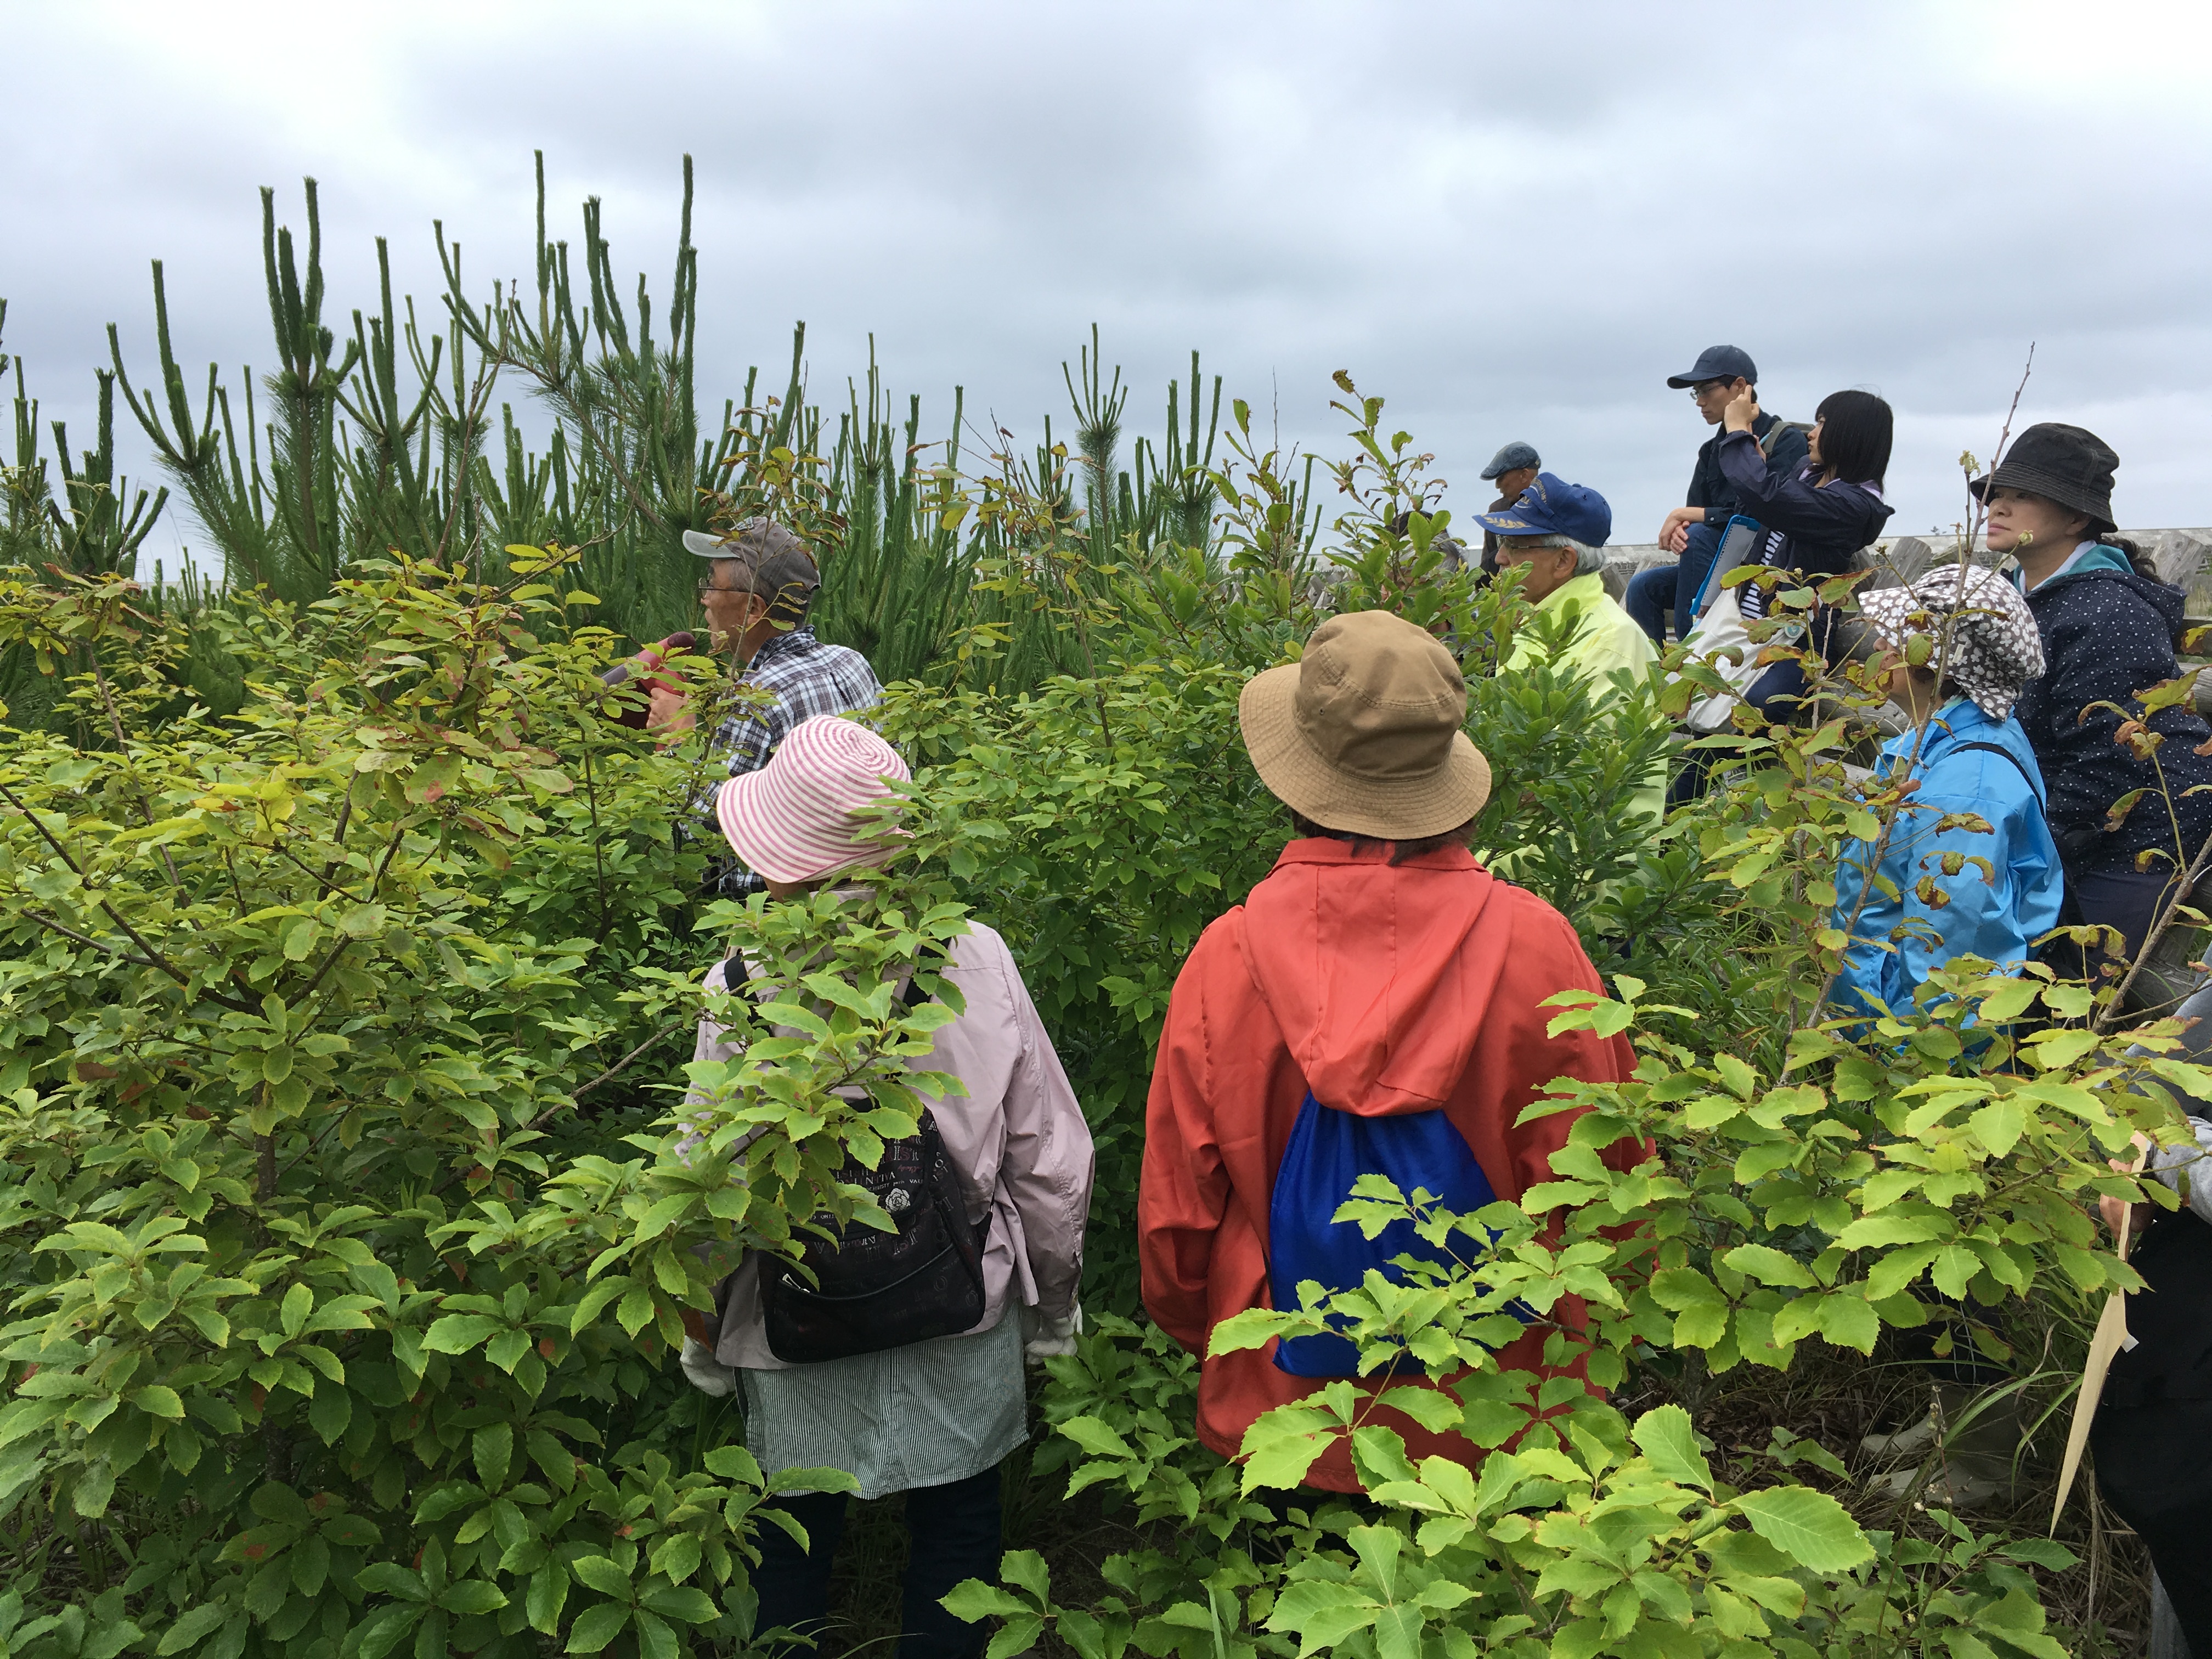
column 654, row 1638
column 92, row 1489
column 693, row 1607
column 493, row 1447
column 1677, row 1288
column 389, row 1579
column 459, row 1333
column 634, row 1312
column 155, row 1401
column 676, row 1558
column 1809, row 1527
column 1768, row 1266
column 352, row 1532
column 973, row 1600
column 1026, row 1570
column 1665, row 1436
column 267, row 1591
column 1953, row 1268
column 597, row 1628
column 471, row 1596
column 1999, row 1126
column 300, row 940
column 330, row 1412
column 1849, row 1322
column 1095, row 1436
column 1432, row 1408
column 598, row 1573
column 310, row 1563
column 549, row 1594
column 1893, row 1226
column 195, row 1622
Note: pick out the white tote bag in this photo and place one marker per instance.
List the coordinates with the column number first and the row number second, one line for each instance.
column 1723, row 628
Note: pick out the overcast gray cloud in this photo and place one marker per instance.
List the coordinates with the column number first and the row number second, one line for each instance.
column 1512, row 220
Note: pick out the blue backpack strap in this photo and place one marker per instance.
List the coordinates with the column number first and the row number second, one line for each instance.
column 1999, row 749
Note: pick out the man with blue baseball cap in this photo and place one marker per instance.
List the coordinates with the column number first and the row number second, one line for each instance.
column 1555, row 536
column 1693, row 530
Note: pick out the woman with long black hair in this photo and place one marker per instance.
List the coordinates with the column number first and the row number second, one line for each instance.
column 1811, row 526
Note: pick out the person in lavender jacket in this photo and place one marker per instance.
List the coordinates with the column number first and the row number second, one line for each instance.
column 935, row 1419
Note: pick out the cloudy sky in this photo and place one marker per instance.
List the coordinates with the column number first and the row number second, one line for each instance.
column 1513, row 221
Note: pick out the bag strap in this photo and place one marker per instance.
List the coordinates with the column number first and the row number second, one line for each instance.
column 1999, row 749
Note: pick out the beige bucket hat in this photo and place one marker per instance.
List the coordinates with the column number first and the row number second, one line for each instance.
column 1363, row 734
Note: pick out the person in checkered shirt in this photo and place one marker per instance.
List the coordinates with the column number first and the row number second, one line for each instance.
column 759, row 586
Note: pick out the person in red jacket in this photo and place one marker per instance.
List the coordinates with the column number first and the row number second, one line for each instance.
column 1380, row 966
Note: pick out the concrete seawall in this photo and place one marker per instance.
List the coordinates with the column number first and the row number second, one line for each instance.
column 2184, row 557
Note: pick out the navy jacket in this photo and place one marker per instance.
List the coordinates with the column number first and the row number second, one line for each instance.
column 1808, row 527
column 1710, row 487
column 2107, row 634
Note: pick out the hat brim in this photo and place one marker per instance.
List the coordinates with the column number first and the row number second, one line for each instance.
column 2011, row 475
column 1386, row 809
column 762, row 856
column 1514, row 524
column 707, row 546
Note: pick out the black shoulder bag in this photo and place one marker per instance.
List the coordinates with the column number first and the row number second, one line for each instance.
column 861, row 1290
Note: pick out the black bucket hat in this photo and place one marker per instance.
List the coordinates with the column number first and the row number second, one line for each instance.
column 2069, row 464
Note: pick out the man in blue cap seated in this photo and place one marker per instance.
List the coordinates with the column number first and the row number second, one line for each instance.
column 1693, row 530
column 1555, row 536
column 1513, row 469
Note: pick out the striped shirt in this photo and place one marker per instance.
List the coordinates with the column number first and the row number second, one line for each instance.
column 794, row 677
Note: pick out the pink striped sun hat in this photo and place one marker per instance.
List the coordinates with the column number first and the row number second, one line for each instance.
column 796, row 819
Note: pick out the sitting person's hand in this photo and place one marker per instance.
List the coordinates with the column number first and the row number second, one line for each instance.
column 1674, row 534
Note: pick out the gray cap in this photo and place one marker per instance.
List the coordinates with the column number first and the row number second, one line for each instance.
column 775, row 563
column 755, row 540
column 1511, row 458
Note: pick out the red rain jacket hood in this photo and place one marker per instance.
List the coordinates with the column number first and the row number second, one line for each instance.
column 1385, row 990
column 1378, row 990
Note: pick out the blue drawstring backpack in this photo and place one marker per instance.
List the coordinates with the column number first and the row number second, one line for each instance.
column 1329, row 1151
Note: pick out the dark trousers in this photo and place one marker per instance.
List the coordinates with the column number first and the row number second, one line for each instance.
column 955, row 1533
column 2126, row 900
column 1652, row 593
column 2154, row 1469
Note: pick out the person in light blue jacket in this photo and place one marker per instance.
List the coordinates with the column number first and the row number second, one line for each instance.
column 1980, row 796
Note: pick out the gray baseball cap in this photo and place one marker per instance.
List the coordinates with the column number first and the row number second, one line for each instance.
column 753, row 540
column 1515, row 456
column 774, row 562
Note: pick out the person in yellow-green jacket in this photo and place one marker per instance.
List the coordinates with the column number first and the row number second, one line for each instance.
column 1555, row 535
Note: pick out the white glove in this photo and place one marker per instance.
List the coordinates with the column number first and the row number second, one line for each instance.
column 1053, row 1336
column 708, row 1374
